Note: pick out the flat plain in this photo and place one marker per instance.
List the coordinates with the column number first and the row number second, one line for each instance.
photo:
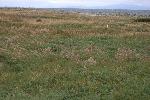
column 50, row 55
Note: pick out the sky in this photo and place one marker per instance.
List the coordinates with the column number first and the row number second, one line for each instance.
column 124, row 4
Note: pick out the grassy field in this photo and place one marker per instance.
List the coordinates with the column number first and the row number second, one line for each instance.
column 46, row 55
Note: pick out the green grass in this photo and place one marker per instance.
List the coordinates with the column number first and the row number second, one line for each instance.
column 61, row 64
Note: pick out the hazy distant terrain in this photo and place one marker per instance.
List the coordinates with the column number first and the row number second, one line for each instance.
column 115, row 12
column 67, row 54
column 123, row 12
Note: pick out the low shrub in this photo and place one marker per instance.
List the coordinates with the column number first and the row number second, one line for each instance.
column 38, row 20
column 142, row 20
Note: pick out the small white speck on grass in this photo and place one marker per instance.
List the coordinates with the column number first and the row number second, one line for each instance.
column 107, row 26
column 85, row 67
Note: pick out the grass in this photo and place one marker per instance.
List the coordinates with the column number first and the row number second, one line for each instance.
column 73, row 57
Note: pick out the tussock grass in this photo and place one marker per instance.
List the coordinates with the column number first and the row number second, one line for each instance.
column 71, row 56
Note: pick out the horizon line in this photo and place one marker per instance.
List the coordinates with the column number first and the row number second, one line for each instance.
column 69, row 8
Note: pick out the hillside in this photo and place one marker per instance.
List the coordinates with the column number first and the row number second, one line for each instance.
column 50, row 55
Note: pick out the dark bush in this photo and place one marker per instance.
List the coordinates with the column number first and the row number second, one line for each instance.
column 142, row 20
column 38, row 20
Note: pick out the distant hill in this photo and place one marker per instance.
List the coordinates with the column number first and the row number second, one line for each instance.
column 103, row 11
column 126, row 6
column 115, row 6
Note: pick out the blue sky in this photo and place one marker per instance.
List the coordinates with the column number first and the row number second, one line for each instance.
column 125, row 4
